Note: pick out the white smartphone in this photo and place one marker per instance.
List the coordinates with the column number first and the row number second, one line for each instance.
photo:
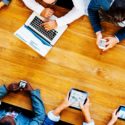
column 102, row 44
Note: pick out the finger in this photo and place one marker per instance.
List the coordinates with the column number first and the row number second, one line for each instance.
column 106, row 38
column 107, row 48
column 47, row 29
column 107, row 43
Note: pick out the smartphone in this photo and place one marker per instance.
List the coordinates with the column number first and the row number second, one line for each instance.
column 76, row 96
column 121, row 112
column 22, row 84
column 102, row 44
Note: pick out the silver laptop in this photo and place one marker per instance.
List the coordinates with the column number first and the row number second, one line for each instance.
column 34, row 22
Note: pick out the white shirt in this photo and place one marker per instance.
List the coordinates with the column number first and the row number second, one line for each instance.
column 79, row 9
column 54, row 118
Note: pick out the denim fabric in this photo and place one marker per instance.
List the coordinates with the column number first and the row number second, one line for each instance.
column 40, row 117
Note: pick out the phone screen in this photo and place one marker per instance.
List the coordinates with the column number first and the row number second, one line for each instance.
column 121, row 112
column 77, row 96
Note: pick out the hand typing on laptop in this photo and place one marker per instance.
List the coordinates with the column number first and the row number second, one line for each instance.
column 49, row 25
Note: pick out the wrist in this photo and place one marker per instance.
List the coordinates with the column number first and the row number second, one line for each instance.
column 87, row 116
column 112, row 121
column 98, row 33
column 58, row 111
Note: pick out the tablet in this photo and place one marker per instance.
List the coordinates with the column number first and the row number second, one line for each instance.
column 76, row 96
column 121, row 112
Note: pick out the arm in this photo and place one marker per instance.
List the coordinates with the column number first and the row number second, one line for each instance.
column 121, row 34
column 3, row 91
column 54, row 116
column 38, row 108
column 34, row 6
column 114, row 118
column 78, row 10
column 86, row 113
column 93, row 8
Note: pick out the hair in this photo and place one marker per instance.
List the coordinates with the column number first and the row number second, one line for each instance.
column 115, row 14
column 5, row 123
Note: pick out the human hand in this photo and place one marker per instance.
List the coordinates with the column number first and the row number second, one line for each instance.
column 99, row 37
column 65, row 104
column 13, row 87
column 47, row 13
column 28, row 88
column 2, row 4
column 50, row 25
column 111, row 42
column 86, row 112
column 114, row 117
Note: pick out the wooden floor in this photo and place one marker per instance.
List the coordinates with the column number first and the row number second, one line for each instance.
column 75, row 61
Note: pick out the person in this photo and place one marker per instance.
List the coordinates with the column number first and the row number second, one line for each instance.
column 77, row 8
column 108, row 10
column 40, row 117
column 114, row 118
column 4, row 3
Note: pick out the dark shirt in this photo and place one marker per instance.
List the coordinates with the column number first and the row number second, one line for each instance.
column 68, row 4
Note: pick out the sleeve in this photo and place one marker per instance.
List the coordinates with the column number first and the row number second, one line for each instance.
column 93, row 8
column 52, row 117
column 34, row 6
column 3, row 91
column 79, row 9
column 38, row 108
column 91, row 123
column 121, row 34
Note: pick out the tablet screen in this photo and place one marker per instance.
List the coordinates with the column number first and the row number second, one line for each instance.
column 76, row 97
column 121, row 113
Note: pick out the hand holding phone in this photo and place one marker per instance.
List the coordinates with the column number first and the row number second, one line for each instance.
column 102, row 44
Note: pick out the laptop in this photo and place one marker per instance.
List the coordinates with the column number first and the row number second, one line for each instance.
column 35, row 36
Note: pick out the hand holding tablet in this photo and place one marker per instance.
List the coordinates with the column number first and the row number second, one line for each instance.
column 76, row 97
column 121, row 112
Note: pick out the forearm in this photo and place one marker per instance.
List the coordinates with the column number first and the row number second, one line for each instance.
column 34, row 6
column 111, row 122
column 87, row 116
column 38, row 106
column 70, row 17
column 94, row 19
column 121, row 34
column 3, row 91
column 58, row 110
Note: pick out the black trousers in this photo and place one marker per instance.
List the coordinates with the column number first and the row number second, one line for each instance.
column 68, row 4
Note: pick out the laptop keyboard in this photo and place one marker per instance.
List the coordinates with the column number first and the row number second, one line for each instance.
column 36, row 23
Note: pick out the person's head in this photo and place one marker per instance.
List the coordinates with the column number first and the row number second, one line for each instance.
column 8, row 120
column 116, row 13
column 49, row 1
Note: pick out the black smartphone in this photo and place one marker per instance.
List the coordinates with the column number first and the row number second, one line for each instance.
column 121, row 112
column 76, row 96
